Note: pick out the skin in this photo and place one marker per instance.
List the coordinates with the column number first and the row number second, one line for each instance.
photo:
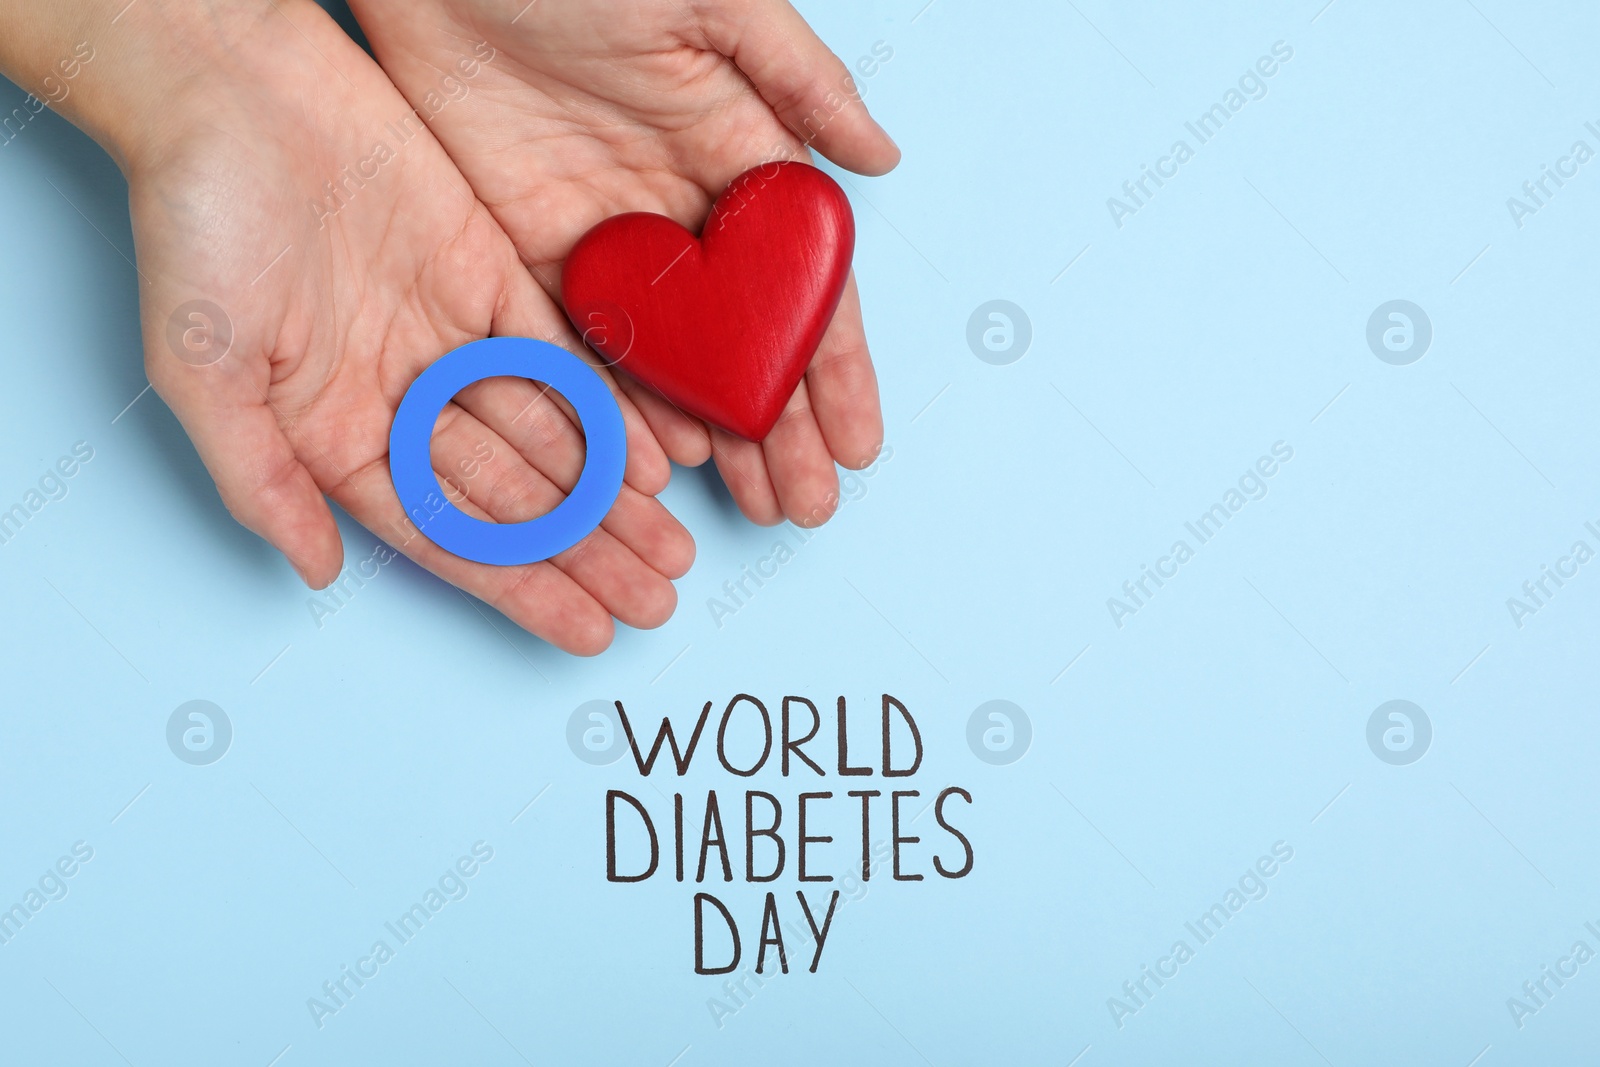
column 227, row 122
column 590, row 109
column 230, row 119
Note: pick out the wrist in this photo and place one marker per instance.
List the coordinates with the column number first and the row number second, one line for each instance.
column 135, row 77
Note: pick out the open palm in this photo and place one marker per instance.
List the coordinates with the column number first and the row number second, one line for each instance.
column 346, row 253
column 560, row 114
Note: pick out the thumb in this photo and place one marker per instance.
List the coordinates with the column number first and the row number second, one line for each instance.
column 807, row 85
column 262, row 483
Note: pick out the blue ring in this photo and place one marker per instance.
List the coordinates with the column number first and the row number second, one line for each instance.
column 507, row 544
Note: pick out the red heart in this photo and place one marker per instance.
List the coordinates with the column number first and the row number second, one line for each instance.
column 725, row 325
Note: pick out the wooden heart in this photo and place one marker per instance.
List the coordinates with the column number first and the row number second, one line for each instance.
column 723, row 325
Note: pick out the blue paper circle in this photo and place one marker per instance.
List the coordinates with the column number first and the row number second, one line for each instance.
column 507, row 544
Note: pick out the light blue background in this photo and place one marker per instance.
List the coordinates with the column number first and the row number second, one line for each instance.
column 1228, row 714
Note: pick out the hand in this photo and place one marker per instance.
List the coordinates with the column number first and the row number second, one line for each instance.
column 567, row 111
column 339, row 295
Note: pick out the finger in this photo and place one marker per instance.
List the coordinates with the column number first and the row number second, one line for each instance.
column 529, row 312
column 649, row 469
column 544, row 433
column 800, row 464
column 645, row 525
column 537, row 596
column 744, row 468
column 805, row 83
column 550, row 444
column 639, row 521
column 506, row 488
column 543, row 427
column 844, row 387
column 684, row 438
column 250, row 457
